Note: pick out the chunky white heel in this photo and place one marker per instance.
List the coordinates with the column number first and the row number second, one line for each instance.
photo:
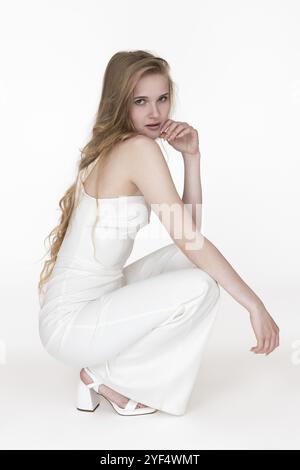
column 88, row 399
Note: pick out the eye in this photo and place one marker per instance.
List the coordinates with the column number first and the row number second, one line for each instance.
column 138, row 101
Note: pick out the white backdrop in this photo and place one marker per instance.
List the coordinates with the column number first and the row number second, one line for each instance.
column 236, row 65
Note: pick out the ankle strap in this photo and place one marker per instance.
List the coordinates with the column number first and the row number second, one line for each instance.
column 96, row 381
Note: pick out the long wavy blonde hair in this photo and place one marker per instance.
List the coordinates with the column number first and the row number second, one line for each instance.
column 112, row 125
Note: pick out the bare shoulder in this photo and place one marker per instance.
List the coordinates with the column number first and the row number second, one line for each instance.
column 139, row 142
column 148, row 170
column 139, row 153
column 139, row 148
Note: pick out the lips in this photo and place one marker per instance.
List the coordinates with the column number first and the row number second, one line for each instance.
column 153, row 126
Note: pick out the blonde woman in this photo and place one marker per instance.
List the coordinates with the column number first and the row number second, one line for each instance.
column 137, row 332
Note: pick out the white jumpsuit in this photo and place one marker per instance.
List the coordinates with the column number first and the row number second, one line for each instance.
column 140, row 328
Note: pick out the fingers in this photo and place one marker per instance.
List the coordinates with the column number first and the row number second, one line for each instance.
column 275, row 339
column 176, row 131
column 267, row 345
column 168, row 126
column 182, row 133
column 266, row 332
column 258, row 348
column 171, row 128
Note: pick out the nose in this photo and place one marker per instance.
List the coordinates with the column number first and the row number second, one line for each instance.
column 154, row 113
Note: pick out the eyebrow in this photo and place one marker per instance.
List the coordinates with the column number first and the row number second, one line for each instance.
column 148, row 96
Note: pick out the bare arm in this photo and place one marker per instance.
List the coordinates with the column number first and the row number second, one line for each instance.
column 152, row 176
column 192, row 191
column 150, row 172
column 211, row 260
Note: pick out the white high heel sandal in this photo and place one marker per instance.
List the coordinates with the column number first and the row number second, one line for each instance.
column 88, row 399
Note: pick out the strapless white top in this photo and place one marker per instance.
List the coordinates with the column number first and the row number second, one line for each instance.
column 95, row 249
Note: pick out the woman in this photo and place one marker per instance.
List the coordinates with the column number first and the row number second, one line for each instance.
column 137, row 332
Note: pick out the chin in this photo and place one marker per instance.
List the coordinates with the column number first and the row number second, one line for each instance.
column 148, row 135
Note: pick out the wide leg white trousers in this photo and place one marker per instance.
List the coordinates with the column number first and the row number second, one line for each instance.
column 145, row 339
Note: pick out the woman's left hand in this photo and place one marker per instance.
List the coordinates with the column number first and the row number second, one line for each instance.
column 181, row 136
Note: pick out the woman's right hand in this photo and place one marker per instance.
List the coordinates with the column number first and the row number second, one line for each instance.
column 266, row 331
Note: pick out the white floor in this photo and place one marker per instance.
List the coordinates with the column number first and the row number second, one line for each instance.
column 240, row 401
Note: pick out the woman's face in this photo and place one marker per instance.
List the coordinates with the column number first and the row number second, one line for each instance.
column 150, row 104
